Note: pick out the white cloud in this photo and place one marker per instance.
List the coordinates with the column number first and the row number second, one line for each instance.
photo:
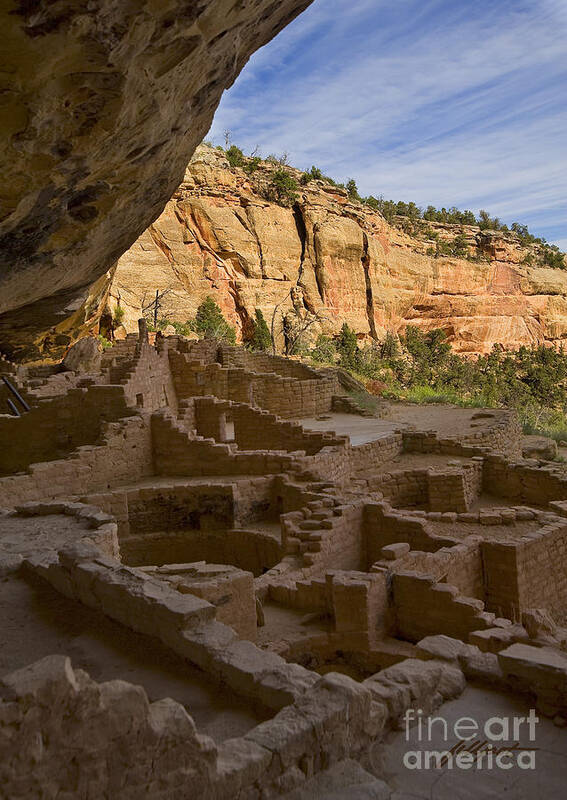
column 431, row 102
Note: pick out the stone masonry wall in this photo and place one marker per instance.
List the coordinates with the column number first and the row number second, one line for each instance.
column 529, row 573
column 265, row 362
column 454, row 488
column 523, row 482
column 96, row 740
column 285, row 396
column 108, row 740
column 124, row 455
column 459, row 565
column 176, row 453
column 503, row 436
column 256, row 429
column 56, row 427
column 383, row 525
column 424, row 608
column 148, row 383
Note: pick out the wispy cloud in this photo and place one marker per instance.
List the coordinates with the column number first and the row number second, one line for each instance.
column 437, row 102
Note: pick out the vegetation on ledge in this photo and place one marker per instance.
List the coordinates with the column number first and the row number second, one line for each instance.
column 283, row 185
column 420, row 367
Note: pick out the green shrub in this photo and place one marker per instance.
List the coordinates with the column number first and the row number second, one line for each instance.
column 252, row 165
column 104, row 342
column 117, row 316
column 419, row 367
column 261, row 338
column 553, row 257
column 372, row 202
column 390, row 347
column 325, row 350
column 209, row 323
column 235, row 156
column 347, row 347
column 282, row 188
column 181, row 328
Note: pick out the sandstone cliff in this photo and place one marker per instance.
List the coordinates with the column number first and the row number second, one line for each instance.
column 102, row 105
column 339, row 259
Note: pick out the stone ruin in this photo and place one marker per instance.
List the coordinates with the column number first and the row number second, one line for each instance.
column 209, row 584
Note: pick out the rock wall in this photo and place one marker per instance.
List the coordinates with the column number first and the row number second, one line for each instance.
column 219, row 236
column 103, row 104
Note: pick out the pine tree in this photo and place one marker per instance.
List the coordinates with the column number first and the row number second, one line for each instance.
column 347, row 346
column 209, row 323
column 261, row 339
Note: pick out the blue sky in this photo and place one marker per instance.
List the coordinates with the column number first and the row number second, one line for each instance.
column 448, row 102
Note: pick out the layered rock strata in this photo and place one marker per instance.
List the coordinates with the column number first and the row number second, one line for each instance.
column 324, row 254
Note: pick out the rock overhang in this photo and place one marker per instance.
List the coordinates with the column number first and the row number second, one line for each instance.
column 103, row 107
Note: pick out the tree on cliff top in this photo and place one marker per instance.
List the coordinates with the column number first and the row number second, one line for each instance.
column 282, row 188
column 352, row 190
column 209, row 323
column 235, row 156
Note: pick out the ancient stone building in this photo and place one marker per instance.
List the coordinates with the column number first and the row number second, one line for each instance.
column 210, row 587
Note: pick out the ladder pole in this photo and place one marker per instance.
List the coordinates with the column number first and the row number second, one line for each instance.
column 16, row 394
column 13, row 408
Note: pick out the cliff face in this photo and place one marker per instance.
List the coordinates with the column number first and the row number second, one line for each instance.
column 334, row 258
column 102, row 105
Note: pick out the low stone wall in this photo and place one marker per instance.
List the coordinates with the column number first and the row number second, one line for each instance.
column 370, row 455
column 189, row 522
column 229, row 589
column 182, row 622
column 454, row 488
column 124, row 455
column 176, row 453
column 246, row 549
column 459, row 565
column 522, row 482
column 503, row 436
column 154, row 750
column 341, row 464
column 285, row 396
column 539, row 671
column 98, row 740
column 446, row 488
column 424, row 607
column 56, row 427
column 326, row 535
column 357, row 601
column 205, row 350
column 265, row 362
column 529, row 573
column 256, row 429
column 382, row 525
column 402, row 487
column 29, row 522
